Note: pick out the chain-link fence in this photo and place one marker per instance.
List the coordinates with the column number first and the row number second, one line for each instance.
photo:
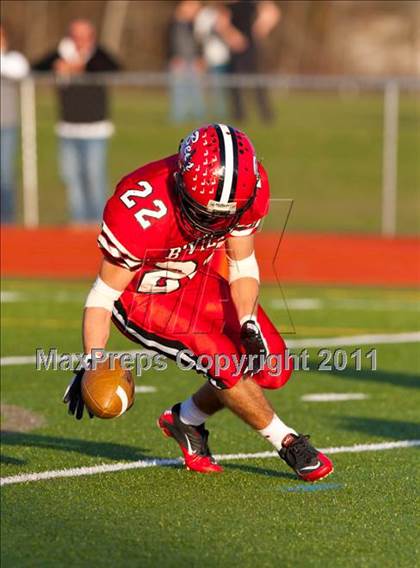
column 338, row 147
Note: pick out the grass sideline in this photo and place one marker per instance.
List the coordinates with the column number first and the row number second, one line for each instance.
column 324, row 152
column 255, row 513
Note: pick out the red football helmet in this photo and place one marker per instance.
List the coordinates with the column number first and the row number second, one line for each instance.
column 217, row 178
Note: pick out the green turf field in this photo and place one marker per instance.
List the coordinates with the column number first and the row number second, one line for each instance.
column 256, row 513
column 324, row 152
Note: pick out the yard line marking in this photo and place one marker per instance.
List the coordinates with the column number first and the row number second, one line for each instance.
column 159, row 462
column 299, row 304
column 31, row 359
column 343, row 304
column 312, row 487
column 333, row 396
column 7, row 297
column 374, row 339
column 17, row 360
column 358, row 340
column 11, row 296
column 145, row 389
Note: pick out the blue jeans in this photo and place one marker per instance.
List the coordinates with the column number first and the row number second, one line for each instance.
column 8, row 143
column 83, row 169
column 218, row 91
column 186, row 94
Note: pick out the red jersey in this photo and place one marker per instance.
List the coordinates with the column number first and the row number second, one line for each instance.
column 142, row 229
column 174, row 282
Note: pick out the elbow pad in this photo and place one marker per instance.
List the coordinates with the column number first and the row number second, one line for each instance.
column 245, row 268
column 102, row 296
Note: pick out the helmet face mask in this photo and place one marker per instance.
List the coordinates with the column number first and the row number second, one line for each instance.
column 209, row 222
column 217, row 179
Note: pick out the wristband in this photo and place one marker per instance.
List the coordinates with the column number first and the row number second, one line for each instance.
column 244, row 268
column 248, row 317
column 102, row 296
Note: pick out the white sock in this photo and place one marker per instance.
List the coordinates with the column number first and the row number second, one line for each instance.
column 276, row 431
column 190, row 413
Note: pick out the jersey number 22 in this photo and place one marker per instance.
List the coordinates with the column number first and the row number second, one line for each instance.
column 141, row 215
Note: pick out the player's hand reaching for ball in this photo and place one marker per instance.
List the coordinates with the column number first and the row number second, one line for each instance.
column 254, row 345
column 73, row 396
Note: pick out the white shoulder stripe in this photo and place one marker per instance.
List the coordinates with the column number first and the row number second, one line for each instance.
column 109, row 248
column 117, row 243
column 227, row 183
column 115, row 253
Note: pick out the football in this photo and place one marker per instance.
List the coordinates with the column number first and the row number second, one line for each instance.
column 108, row 393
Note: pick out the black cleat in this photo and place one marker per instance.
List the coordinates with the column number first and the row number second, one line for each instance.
column 193, row 441
column 308, row 463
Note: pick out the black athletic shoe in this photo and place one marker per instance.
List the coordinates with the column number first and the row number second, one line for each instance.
column 193, row 441
column 308, row 463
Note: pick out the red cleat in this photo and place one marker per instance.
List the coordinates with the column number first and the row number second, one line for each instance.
column 193, row 441
column 308, row 463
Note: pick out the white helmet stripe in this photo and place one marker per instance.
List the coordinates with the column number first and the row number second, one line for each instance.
column 227, row 183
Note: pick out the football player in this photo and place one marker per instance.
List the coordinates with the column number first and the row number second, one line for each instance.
column 159, row 232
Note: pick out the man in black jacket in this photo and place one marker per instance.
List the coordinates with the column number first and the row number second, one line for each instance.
column 84, row 126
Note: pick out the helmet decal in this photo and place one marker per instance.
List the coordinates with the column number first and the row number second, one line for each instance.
column 186, row 147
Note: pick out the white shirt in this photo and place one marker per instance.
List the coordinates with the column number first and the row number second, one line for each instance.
column 13, row 65
column 215, row 50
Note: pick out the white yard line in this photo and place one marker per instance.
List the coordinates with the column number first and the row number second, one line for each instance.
column 362, row 304
column 7, row 297
column 298, row 304
column 370, row 304
column 31, row 359
column 145, row 389
column 333, row 396
column 142, row 464
column 17, row 360
column 357, row 340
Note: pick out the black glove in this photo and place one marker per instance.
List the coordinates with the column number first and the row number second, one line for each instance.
column 254, row 344
column 73, row 396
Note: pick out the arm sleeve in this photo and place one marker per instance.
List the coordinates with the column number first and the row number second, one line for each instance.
column 105, row 62
column 46, row 63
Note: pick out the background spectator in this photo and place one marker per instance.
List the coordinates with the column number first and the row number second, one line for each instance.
column 185, row 63
column 216, row 52
column 84, row 126
column 244, row 25
column 14, row 67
